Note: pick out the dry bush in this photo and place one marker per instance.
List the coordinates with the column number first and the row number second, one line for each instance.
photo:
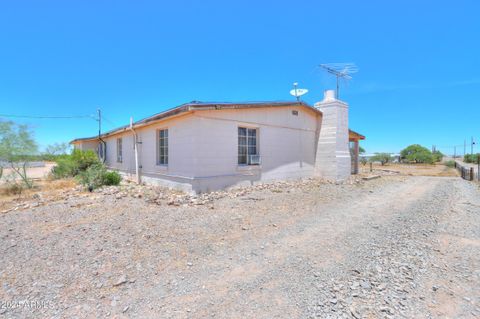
column 50, row 185
column 12, row 189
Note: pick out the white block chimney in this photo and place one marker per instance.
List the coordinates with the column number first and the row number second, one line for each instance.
column 332, row 159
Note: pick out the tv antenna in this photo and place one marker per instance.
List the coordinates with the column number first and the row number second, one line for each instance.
column 340, row 70
column 296, row 92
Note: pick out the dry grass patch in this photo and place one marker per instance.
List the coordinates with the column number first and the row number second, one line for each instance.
column 438, row 169
column 12, row 194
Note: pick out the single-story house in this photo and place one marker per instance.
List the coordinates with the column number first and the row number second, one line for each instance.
column 201, row 147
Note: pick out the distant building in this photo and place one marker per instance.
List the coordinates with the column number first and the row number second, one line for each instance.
column 200, row 147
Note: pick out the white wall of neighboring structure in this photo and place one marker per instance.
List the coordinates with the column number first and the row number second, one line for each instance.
column 203, row 148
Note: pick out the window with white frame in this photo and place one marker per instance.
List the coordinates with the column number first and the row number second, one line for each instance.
column 162, row 147
column 119, row 150
column 247, row 146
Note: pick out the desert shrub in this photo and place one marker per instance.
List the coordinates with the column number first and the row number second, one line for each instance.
column 437, row 156
column 84, row 159
column 75, row 163
column 93, row 177
column 450, row 163
column 471, row 158
column 65, row 167
column 112, row 178
column 12, row 188
column 97, row 175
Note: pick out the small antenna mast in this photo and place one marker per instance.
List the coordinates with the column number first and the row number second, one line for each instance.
column 340, row 70
column 295, row 85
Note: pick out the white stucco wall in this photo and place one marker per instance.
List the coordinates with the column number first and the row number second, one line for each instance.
column 286, row 145
column 203, row 148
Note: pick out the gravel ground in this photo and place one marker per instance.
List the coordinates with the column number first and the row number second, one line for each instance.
column 399, row 247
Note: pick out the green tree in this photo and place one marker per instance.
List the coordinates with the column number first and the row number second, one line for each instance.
column 417, row 154
column 16, row 144
column 383, row 158
column 57, row 149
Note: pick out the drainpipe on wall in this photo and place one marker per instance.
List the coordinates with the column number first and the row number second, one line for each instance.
column 135, row 146
column 103, row 155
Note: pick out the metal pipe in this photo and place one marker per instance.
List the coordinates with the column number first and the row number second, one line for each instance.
column 135, row 147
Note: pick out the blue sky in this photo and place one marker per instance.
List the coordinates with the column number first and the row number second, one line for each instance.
column 419, row 78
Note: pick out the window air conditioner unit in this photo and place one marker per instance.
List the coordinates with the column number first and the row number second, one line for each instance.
column 254, row 160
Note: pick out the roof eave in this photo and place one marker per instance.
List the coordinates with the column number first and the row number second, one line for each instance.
column 195, row 106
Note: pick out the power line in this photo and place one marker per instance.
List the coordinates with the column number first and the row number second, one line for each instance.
column 46, row 117
column 109, row 121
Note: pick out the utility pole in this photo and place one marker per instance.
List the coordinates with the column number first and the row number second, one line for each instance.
column 101, row 144
column 464, row 147
column 454, row 152
column 471, row 146
column 99, row 112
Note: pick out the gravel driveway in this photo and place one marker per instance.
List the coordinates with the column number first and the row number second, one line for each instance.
column 399, row 247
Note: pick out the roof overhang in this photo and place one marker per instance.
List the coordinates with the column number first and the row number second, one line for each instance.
column 354, row 136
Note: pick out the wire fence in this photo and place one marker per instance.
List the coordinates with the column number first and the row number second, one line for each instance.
column 467, row 172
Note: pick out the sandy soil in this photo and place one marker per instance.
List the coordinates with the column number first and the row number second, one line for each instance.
column 399, row 246
column 32, row 172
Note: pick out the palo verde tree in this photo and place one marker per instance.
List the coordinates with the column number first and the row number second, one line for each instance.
column 16, row 142
column 418, row 154
column 383, row 158
column 57, row 149
column 53, row 151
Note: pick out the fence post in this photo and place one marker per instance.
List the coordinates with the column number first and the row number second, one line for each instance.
column 472, row 171
column 478, row 167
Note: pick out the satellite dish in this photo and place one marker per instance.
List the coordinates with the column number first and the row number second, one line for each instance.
column 296, row 92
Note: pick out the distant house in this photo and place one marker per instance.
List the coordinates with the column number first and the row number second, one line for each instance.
column 200, row 147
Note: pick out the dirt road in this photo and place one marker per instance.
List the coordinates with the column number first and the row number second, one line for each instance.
column 37, row 172
column 393, row 247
